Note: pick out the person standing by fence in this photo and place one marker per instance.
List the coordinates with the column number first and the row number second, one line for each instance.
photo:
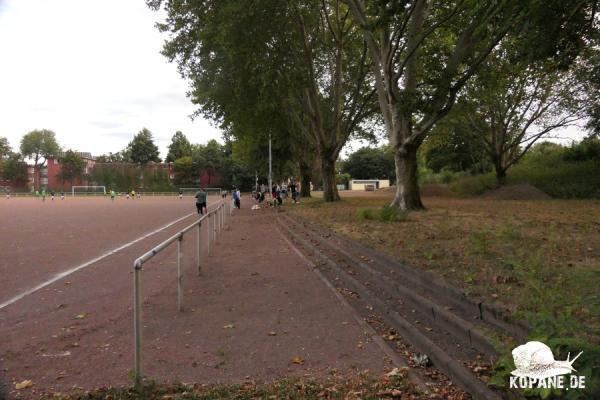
column 236, row 197
column 201, row 201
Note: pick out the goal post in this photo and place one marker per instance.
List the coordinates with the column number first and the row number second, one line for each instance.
column 88, row 190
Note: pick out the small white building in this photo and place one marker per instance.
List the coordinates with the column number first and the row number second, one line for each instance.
column 368, row 185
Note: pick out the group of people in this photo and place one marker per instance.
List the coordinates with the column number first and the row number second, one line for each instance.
column 278, row 194
column 42, row 194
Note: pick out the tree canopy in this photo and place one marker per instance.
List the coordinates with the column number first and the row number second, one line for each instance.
column 39, row 145
column 142, row 150
column 314, row 74
column 298, row 72
column 179, row 147
column 71, row 166
column 14, row 169
column 424, row 52
column 370, row 163
column 5, row 149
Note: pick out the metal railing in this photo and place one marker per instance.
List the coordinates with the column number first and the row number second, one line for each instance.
column 218, row 217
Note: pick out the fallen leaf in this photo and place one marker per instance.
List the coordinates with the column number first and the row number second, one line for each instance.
column 23, row 385
column 298, row 360
column 272, row 333
column 81, row 316
column 391, row 393
column 228, row 326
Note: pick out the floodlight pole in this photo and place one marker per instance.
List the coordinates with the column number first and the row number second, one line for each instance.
column 270, row 167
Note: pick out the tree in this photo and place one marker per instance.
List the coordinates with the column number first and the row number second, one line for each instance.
column 370, row 163
column 117, row 157
column 315, row 74
column 336, row 97
column 71, row 166
column 14, row 169
column 142, row 150
column 186, row 172
column 451, row 146
column 179, row 147
column 209, row 158
column 424, row 51
column 5, row 149
column 510, row 105
column 39, row 145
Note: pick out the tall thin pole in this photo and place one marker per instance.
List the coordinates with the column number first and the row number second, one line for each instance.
column 270, row 167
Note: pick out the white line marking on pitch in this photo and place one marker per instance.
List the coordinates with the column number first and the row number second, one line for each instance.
column 88, row 263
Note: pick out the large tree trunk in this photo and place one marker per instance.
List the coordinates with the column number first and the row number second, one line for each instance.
column 408, row 196
column 330, row 192
column 499, row 167
column 305, row 175
column 500, row 174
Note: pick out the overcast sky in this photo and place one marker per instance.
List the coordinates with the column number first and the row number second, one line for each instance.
column 90, row 71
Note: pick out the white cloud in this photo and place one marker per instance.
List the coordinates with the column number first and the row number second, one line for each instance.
column 92, row 72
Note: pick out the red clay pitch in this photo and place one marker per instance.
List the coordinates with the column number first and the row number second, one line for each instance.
column 255, row 308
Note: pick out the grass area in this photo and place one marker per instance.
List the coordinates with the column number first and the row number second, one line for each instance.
column 552, row 175
column 534, row 257
column 363, row 387
column 540, row 259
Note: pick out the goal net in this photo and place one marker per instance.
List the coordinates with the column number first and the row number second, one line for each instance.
column 192, row 191
column 88, row 190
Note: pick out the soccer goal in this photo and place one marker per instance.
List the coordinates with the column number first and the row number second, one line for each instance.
column 88, row 190
column 192, row 191
column 215, row 191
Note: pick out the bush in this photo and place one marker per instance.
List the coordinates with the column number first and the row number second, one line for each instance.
column 391, row 214
column 586, row 150
column 366, row 213
column 474, row 185
column 552, row 175
column 444, row 176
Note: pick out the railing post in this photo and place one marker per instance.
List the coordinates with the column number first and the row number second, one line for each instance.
column 215, row 228
column 137, row 322
column 199, row 265
column 208, row 233
column 219, row 218
column 179, row 277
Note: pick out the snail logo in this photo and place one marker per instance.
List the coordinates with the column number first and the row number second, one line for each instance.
column 537, row 368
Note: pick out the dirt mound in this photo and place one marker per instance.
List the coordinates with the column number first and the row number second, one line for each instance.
column 521, row 191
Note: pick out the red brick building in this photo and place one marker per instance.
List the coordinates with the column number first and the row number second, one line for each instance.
column 49, row 176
